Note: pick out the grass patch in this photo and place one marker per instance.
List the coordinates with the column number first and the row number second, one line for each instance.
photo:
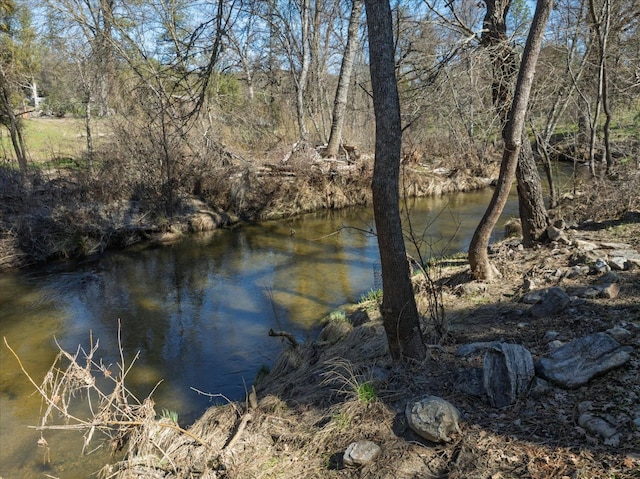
column 56, row 142
column 373, row 299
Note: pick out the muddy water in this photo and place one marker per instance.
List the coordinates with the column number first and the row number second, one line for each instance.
column 198, row 313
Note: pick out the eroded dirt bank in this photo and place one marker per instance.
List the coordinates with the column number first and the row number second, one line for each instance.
column 46, row 217
column 311, row 405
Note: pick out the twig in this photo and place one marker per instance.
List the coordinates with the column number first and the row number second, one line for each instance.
column 243, row 423
column 284, row 334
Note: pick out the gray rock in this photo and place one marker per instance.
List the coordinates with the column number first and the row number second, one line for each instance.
column 577, row 271
column 601, row 266
column 507, row 372
column 612, row 245
column 618, row 263
column 551, row 303
column 472, row 288
column 550, row 336
column 555, row 344
column 361, row 453
column 598, row 426
column 556, row 234
column 433, row 418
column 535, row 296
column 632, row 256
column 576, row 363
column 619, row 333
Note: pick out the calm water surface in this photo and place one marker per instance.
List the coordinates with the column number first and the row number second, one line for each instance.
column 198, row 313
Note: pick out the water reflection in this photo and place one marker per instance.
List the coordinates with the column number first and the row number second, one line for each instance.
column 197, row 312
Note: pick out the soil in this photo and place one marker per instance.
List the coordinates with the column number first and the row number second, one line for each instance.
column 313, row 403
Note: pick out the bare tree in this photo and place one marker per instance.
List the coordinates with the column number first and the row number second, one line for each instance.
column 399, row 311
column 481, row 267
column 342, row 92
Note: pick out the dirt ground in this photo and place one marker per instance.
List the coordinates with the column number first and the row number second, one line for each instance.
column 312, row 404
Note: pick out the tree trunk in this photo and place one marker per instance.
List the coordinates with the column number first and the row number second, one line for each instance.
column 533, row 214
column 478, row 256
column 13, row 124
column 301, row 80
column 399, row 311
column 342, row 93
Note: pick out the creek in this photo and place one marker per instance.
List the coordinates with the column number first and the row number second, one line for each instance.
column 197, row 312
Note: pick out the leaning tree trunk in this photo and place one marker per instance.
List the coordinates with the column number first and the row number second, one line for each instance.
column 533, row 214
column 478, row 255
column 399, row 311
column 342, row 92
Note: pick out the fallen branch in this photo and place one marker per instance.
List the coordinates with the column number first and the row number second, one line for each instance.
column 284, row 334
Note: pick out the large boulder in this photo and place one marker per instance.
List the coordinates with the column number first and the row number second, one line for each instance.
column 576, row 363
column 507, row 373
column 433, row 418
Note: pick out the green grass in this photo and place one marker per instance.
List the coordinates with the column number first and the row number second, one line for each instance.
column 338, row 316
column 366, row 392
column 374, row 295
column 170, row 415
column 54, row 142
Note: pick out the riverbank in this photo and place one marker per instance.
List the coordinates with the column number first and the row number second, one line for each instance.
column 342, row 387
column 74, row 215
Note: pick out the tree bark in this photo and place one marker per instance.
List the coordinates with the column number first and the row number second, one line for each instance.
column 533, row 214
column 13, row 124
column 399, row 311
column 481, row 267
column 342, row 92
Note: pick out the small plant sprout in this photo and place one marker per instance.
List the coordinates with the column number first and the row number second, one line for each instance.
column 338, row 316
column 348, row 380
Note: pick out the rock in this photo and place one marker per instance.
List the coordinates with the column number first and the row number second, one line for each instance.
column 631, row 256
column 361, row 453
column 619, row 333
column 433, row 418
column 576, row 363
column 556, row 234
column 597, row 425
column 471, row 288
column 601, row 266
column 585, row 245
column 618, row 263
column 535, row 296
column 576, row 271
column 539, row 388
column 550, row 336
column 609, row 291
column 610, row 277
column 612, row 245
column 555, row 344
column 551, row 303
column 507, row 372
